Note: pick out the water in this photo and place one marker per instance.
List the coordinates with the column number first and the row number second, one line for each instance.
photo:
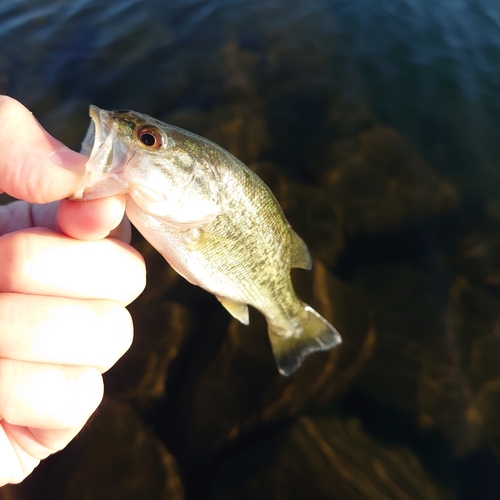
column 428, row 68
column 377, row 125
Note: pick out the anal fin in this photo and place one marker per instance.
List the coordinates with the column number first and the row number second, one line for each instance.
column 237, row 310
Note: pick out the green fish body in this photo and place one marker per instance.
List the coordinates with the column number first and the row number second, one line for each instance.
column 213, row 219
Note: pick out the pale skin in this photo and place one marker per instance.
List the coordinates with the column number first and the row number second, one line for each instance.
column 66, row 275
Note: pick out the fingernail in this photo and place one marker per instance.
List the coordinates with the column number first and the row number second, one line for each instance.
column 69, row 159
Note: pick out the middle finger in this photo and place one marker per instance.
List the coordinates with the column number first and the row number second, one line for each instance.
column 63, row 331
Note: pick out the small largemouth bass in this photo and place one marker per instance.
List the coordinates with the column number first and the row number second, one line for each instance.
column 215, row 222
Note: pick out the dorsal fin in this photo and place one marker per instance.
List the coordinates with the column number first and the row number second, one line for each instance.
column 300, row 257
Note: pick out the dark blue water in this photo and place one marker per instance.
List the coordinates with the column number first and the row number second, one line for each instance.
column 307, row 82
column 431, row 68
column 428, row 68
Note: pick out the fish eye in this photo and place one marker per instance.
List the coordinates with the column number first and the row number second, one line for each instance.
column 150, row 137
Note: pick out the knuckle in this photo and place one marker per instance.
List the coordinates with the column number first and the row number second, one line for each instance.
column 71, row 395
column 7, row 383
column 86, row 390
column 9, row 106
column 48, row 396
column 118, row 333
column 15, row 255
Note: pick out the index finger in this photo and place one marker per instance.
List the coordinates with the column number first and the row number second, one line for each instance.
column 34, row 166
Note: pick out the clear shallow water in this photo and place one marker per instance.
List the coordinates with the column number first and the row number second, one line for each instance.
column 429, row 68
column 377, row 125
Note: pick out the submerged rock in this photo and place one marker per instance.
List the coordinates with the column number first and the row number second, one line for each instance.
column 323, row 458
column 459, row 392
column 378, row 181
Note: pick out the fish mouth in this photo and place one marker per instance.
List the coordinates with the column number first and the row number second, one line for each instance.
column 108, row 156
column 98, row 132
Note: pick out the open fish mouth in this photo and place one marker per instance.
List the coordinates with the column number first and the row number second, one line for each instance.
column 108, row 156
column 100, row 141
column 99, row 128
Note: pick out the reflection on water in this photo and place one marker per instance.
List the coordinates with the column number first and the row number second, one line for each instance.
column 376, row 125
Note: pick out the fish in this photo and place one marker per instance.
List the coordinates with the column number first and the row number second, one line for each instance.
column 212, row 219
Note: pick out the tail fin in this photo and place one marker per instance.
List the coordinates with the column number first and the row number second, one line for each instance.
column 308, row 333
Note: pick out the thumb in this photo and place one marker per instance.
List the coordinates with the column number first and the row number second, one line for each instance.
column 34, row 166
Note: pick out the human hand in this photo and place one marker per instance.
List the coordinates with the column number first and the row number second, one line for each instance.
column 63, row 291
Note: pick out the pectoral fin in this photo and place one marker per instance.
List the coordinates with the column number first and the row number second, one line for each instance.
column 301, row 257
column 237, row 310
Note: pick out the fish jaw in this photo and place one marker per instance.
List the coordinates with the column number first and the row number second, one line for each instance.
column 108, row 157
